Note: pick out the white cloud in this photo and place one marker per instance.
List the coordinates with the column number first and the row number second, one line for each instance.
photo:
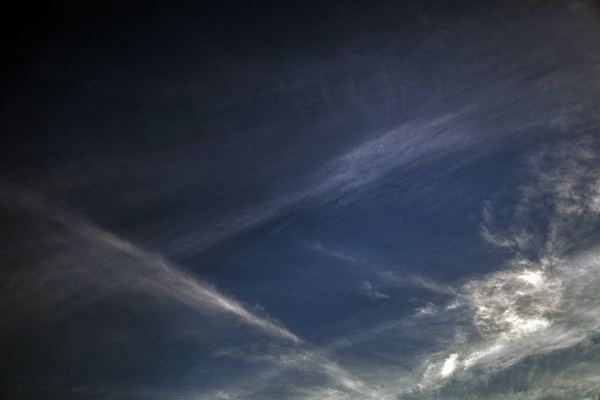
column 413, row 280
column 418, row 141
column 449, row 365
column 535, row 306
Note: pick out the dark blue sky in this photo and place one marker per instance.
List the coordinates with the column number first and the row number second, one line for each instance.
column 321, row 200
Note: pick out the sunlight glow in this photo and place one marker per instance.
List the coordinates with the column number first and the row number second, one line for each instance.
column 532, row 277
column 449, row 365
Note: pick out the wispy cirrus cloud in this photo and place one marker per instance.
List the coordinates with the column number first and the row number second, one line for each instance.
column 543, row 303
column 66, row 264
column 566, row 181
column 537, row 310
column 413, row 144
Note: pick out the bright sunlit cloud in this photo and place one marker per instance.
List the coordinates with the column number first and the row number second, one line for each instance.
column 449, row 365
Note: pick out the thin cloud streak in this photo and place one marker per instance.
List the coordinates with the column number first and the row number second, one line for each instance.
column 412, row 144
column 90, row 264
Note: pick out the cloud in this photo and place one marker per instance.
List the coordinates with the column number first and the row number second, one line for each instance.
column 536, row 321
column 417, row 141
column 542, row 309
column 63, row 264
column 413, row 280
column 368, row 290
column 543, row 305
column 305, row 371
column 544, row 302
column 75, row 295
column 553, row 212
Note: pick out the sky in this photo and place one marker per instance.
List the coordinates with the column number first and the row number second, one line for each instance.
column 300, row 200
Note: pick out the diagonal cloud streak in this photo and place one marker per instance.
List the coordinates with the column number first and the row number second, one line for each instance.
column 88, row 264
